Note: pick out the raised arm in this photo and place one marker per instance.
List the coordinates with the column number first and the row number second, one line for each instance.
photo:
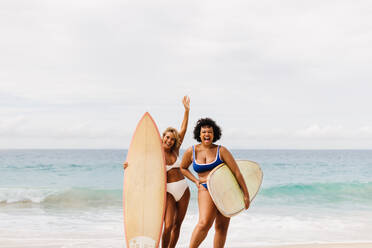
column 186, row 104
column 231, row 163
column 185, row 164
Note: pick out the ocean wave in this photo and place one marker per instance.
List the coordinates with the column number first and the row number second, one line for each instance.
column 24, row 195
column 320, row 192
column 73, row 197
column 315, row 193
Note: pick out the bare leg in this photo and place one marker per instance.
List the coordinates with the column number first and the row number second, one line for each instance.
column 207, row 214
column 168, row 220
column 221, row 226
column 181, row 206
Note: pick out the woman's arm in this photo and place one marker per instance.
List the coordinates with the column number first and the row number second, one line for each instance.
column 184, row 166
column 186, row 104
column 231, row 163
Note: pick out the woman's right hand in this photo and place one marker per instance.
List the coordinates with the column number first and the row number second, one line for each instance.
column 197, row 183
column 200, row 182
column 125, row 165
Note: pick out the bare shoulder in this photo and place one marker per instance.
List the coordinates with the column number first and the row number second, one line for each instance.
column 188, row 150
column 226, row 154
column 186, row 158
column 224, row 149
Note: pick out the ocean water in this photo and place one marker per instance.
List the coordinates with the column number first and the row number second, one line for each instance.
column 73, row 198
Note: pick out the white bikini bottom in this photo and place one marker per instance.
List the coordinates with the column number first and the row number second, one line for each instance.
column 177, row 189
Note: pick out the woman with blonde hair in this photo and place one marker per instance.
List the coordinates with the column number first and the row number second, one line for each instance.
column 178, row 193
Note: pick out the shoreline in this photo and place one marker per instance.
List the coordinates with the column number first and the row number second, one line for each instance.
column 320, row 245
column 85, row 243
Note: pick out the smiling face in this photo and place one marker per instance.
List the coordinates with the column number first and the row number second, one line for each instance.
column 168, row 140
column 206, row 135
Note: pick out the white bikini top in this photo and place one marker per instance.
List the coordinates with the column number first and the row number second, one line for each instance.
column 175, row 165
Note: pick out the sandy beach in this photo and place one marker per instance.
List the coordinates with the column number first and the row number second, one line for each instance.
column 333, row 245
column 85, row 243
column 60, row 243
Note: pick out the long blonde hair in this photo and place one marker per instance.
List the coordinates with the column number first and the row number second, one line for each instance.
column 174, row 131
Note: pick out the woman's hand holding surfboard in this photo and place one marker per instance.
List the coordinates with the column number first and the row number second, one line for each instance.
column 225, row 190
column 125, row 165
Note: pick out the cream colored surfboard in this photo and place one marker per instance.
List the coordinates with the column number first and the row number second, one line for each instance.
column 225, row 190
column 144, row 191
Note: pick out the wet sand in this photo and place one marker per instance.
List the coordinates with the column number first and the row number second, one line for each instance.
column 85, row 243
column 333, row 245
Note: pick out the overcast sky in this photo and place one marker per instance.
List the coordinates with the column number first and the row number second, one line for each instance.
column 274, row 74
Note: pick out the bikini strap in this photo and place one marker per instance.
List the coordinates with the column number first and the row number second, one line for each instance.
column 193, row 153
column 218, row 153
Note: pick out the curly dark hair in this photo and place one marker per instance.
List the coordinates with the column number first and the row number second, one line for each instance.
column 207, row 122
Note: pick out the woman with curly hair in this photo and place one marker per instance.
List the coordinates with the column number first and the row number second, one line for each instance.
column 204, row 157
column 178, row 193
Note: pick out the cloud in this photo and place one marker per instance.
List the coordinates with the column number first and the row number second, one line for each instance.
column 325, row 132
column 334, row 132
column 87, row 133
column 11, row 126
column 264, row 70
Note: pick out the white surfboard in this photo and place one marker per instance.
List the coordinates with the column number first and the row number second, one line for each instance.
column 225, row 190
column 144, row 191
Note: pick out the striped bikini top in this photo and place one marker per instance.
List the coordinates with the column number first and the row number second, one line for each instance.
column 206, row 167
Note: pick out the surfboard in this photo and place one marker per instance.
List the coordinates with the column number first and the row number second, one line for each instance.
column 225, row 190
column 144, row 189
